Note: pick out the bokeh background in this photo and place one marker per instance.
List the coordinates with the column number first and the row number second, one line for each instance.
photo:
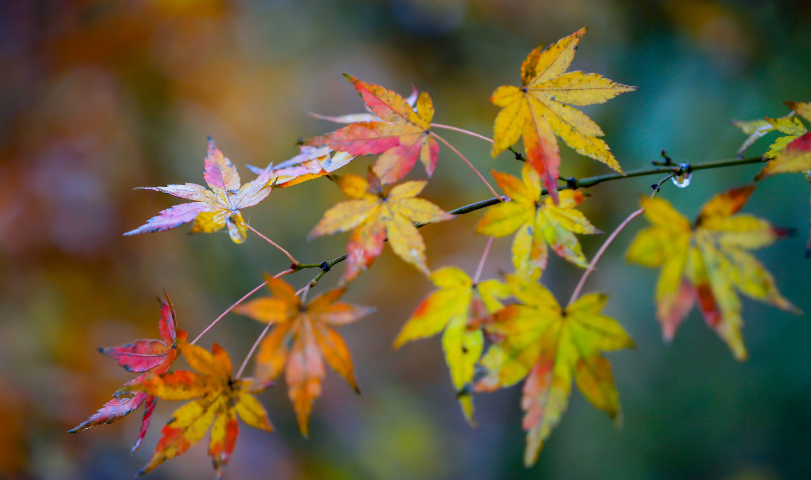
column 98, row 97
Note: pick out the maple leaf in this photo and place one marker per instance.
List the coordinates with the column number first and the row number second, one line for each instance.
column 401, row 133
column 302, row 338
column 540, row 109
column 791, row 153
column 369, row 116
column 789, row 125
column 707, row 262
column 155, row 356
column 550, row 346
column 372, row 216
column 217, row 400
column 459, row 308
column 796, row 155
column 538, row 222
column 213, row 208
column 309, row 164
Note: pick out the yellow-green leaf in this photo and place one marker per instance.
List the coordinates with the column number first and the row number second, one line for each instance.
column 707, row 264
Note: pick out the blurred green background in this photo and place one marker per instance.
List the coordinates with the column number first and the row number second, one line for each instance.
column 99, row 97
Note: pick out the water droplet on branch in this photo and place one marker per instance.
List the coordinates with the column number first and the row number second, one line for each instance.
column 683, row 179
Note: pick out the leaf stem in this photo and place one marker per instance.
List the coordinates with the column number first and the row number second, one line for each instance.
column 247, row 295
column 253, row 349
column 285, row 252
column 518, row 155
column 306, row 288
column 480, row 267
column 600, row 253
column 468, row 163
column 462, row 130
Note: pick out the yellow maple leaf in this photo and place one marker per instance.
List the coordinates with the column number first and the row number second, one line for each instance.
column 550, row 346
column 540, row 109
column 373, row 217
column 302, row 338
column 459, row 308
column 537, row 222
column 707, row 263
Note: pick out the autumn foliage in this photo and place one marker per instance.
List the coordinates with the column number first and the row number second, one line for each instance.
column 495, row 333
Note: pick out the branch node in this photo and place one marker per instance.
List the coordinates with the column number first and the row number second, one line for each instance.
column 518, row 155
column 683, row 168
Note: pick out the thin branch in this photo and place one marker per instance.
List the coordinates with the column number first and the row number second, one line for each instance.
column 253, row 349
column 285, row 252
column 591, row 181
column 280, row 274
column 600, row 252
column 483, row 259
column 662, row 167
column 462, row 130
column 466, row 161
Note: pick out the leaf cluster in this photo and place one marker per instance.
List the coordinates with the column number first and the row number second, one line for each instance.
column 496, row 332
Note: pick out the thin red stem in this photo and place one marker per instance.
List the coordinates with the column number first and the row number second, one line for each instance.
column 600, row 252
column 280, row 274
column 483, row 259
column 462, row 130
column 285, row 252
column 468, row 163
column 253, row 349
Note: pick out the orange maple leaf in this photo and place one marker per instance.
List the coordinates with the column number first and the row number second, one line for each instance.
column 400, row 131
column 154, row 356
column 372, row 216
column 302, row 338
column 217, row 399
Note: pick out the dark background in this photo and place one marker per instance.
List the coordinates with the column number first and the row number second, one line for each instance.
column 99, row 97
